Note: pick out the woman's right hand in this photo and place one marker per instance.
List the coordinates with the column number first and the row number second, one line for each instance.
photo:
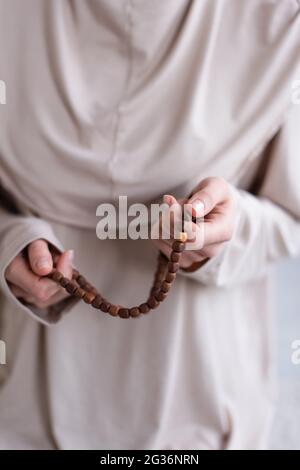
column 25, row 274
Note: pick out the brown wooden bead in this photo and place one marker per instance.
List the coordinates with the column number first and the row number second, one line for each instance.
column 144, row 308
column 162, row 266
column 114, row 310
column 81, row 280
column 164, row 276
column 154, row 290
column 178, row 247
column 166, row 286
column 160, row 277
column 105, row 306
column 64, row 282
column 173, row 267
column 88, row 286
column 71, row 288
column 134, row 312
column 124, row 313
column 88, row 297
column 152, row 302
column 161, row 296
column 56, row 276
column 170, row 277
column 75, row 274
column 79, row 293
column 182, row 237
column 97, row 301
column 175, row 257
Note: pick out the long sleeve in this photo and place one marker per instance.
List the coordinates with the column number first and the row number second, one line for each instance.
column 16, row 232
column 267, row 224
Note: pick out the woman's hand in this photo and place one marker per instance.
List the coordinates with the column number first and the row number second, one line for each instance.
column 213, row 204
column 25, row 274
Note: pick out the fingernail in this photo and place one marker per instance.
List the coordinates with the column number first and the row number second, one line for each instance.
column 198, row 208
column 42, row 263
column 71, row 255
column 167, row 199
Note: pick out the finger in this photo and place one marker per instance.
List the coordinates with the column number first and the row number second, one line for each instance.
column 162, row 226
column 17, row 291
column 20, row 274
column 164, row 246
column 61, row 295
column 171, row 222
column 20, row 293
column 23, row 295
column 210, row 192
column 217, row 230
column 65, row 266
column 212, row 250
column 169, row 199
column 40, row 258
column 195, row 235
column 190, row 257
column 65, row 263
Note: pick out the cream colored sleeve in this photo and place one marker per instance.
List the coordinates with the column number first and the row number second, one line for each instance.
column 15, row 233
column 267, row 225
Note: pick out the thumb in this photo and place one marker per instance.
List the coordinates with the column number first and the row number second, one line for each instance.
column 40, row 258
column 169, row 199
column 173, row 224
column 65, row 263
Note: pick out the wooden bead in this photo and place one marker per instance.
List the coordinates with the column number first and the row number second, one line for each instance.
column 105, row 306
column 124, row 313
column 182, row 237
column 71, row 288
column 97, row 301
column 144, row 308
column 152, row 302
column 175, row 257
column 88, row 297
column 154, row 290
column 160, row 277
column 162, row 262
column 134, row 312
column 81, row 280
column 160, row 297
column 56, row 276
column 75, row 274
column 164, row 276
column 114, row 310
column 64, row 282
column 173, row 267
column 178, row 247
column 166, row 286
column 79, row 293
column 170, row 277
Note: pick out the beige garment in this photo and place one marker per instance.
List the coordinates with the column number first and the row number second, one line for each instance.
column 143, row 98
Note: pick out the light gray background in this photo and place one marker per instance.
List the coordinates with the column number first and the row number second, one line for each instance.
column 286, row 430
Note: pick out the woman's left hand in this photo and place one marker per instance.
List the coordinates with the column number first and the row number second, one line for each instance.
column 212, row 202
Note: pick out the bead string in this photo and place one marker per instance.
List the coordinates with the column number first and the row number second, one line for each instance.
column 164, row 277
